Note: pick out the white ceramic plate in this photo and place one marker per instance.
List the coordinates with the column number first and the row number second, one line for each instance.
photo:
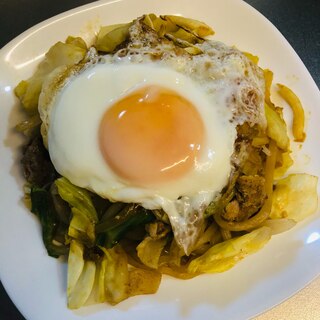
column 37, row 283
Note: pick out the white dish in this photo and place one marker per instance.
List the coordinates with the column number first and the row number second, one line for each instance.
column 37, row 283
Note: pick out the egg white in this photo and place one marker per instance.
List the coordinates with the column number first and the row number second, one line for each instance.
column 74, row 145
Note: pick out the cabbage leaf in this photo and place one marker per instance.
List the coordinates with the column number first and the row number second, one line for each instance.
column 82, row 225
column 114, row 275
column 225, row 255
column 277, row 128
column 295, row 197
column 60, row 54
column 81, row 276
column 149, row 251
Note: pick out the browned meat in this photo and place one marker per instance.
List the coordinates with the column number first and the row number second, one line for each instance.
column 232, row 211
column 37, row 167
column 249, row 197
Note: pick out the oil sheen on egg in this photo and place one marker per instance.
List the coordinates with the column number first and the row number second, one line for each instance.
column 143, row 133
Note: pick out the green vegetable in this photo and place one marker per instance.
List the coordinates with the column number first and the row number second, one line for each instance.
column 42, row 206
column 111, row 230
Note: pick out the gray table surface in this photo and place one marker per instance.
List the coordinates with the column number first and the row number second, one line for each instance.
column 298, row 21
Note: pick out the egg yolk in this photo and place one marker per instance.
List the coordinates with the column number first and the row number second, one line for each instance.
column 151, row 136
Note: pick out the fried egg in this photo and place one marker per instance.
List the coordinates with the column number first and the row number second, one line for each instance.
column 159, row 132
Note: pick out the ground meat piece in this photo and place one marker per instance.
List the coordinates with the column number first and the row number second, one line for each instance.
column 250, row 193
column 37, row 167
column 249, row 197
column 247, row 132
column 232, row 211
